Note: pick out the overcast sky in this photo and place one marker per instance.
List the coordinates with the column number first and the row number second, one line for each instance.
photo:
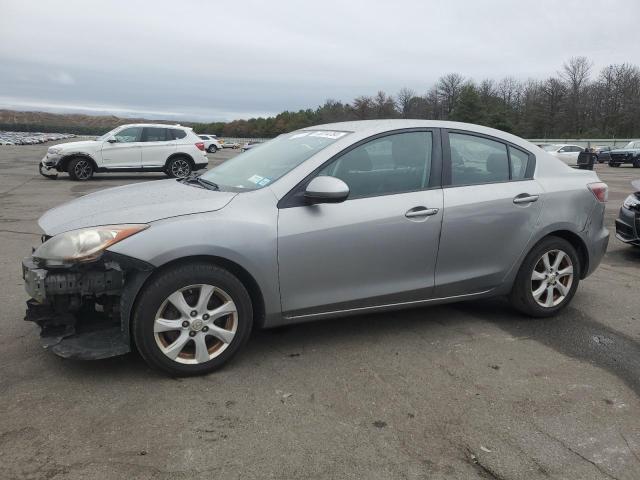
column 207, row 60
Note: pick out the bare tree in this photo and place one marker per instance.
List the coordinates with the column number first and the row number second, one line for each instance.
column 449, row 87
column 404, row 99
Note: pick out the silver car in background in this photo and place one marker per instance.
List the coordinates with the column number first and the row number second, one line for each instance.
column 323, row 222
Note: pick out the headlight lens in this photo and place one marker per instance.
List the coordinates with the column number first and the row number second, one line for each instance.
column 632, row 202
column 83, row 245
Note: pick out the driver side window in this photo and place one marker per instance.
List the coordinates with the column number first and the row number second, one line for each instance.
column 128, row 135
column 388, row 165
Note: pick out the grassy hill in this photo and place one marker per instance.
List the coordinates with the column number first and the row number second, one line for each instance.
column 66, row 123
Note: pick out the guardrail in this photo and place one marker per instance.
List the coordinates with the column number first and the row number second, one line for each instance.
column 584, row 142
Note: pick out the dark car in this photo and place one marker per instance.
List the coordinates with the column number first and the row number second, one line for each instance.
column 629, row 154
column 628, row 221
column 603, row 153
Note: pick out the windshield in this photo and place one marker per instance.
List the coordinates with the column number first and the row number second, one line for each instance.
column 550, row 148
column 258, row 167
column 632, row 145
column 107, row 135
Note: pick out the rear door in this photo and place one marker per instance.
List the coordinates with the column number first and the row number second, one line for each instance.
column 125, row 151
column 491, row 207
column 157, row 145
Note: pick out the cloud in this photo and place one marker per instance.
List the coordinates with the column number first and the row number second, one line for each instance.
column 199, row 59
column 62, row 78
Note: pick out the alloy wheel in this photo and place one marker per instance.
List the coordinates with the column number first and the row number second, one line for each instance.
column 195, row 324
column 552, row 278
column 82, row 170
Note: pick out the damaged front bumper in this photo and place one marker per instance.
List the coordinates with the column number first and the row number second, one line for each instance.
column 83, row 310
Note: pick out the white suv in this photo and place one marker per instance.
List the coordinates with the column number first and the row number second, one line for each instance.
column 211, row 143
column 172, row 149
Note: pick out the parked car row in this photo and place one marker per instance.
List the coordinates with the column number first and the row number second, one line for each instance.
column 629, row 154
column 31, row 138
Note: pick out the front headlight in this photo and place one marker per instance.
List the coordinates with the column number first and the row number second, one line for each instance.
column 632, row 202
column 83, row 245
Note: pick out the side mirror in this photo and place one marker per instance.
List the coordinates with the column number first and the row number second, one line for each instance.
column 111, row 140
column 325, row 189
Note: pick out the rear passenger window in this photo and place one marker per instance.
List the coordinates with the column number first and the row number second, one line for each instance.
column 476, row 160
column 519, row 162
column 178, row 134
column 153, row 134
column 392, row 164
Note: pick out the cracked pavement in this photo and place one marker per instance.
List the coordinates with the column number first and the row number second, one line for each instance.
column 464, row 391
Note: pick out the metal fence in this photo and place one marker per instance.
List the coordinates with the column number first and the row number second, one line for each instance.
column 584, row 142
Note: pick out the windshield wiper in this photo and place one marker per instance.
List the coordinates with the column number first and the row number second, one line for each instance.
column 207, row 183
column 194, row 178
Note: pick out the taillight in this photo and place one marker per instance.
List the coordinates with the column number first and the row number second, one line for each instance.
column 600, row 191
column 200, row 146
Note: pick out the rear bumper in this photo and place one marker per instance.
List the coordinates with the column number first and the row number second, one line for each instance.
column 83, row 311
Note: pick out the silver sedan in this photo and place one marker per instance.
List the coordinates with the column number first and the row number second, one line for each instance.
column 326, row 221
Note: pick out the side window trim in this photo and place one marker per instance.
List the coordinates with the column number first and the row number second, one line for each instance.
column 294, row 198
column 447, row 181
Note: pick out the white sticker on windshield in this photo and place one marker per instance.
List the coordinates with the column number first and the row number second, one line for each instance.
column 328, row 134
column 298, row 135
column 264, row 181
column 256, row 179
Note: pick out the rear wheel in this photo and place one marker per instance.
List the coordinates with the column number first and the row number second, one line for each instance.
column 179, row 167
column 636, row 163
column 192, row 319
column 80, row 169
column 212, row 149
column 547, row 279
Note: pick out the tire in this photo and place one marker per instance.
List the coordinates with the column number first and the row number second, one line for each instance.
column 80, row 169
column 187, row 283
column 636, row 163
column 179, row 167
column 547, row 303
column 212, row 149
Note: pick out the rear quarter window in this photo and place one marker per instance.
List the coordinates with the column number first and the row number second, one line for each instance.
column 178, row 134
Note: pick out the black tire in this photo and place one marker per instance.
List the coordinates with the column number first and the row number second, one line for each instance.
column 179, row 167
column 80, row 169
column 636, row 163
column 156, row 293
column 522, row 297
column 212, row 149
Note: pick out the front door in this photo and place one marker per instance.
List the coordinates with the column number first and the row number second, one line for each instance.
column 125, row 151
column 491, row 207
column 378, row 247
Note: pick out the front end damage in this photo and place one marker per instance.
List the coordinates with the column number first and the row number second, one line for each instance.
column 83, row 310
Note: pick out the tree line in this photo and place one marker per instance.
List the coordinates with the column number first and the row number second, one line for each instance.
column 575, row 102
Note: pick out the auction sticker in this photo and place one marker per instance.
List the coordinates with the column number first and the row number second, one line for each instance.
column 328, row 134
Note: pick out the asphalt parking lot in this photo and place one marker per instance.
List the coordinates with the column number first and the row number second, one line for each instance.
column 461, row 391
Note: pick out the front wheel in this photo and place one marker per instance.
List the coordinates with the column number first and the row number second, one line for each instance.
column 179, row 167
column 547, row 279
column 192, row 319
column 80, row 169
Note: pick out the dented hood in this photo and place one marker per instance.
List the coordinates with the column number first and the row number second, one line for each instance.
column 138, row 203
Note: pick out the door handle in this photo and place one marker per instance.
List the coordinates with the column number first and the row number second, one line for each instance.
column 525, row 198
column 419, row 212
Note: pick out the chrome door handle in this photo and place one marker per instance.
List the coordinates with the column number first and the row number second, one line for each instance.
column 421, row 212
column 525, row 198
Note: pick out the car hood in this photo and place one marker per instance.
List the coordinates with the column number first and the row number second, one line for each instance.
column 138, row 203
column 77, row 145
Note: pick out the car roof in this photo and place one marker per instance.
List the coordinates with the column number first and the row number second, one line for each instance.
column 159, row 125
column 373, row 127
